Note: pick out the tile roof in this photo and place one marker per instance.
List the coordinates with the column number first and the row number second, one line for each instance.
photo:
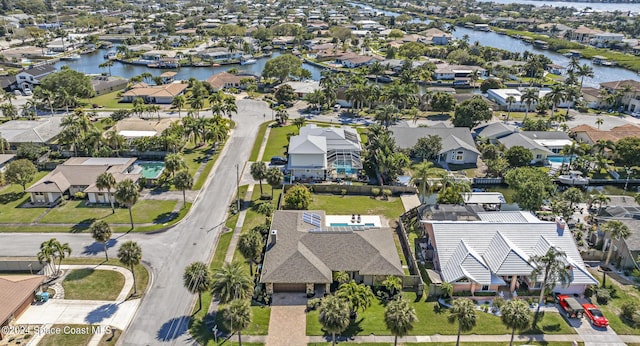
column 14, row 291
column 304, row 253
column 615, row 134
column 167, row 90
column 618, row 85
column 218, row 80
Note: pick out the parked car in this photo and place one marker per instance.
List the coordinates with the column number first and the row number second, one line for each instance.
column 595, row 315
column 27, row 92
column 278, row 161
column 635, row 114
column 571, row 306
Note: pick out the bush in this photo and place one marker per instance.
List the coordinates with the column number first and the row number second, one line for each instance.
column 313, row 304
column 375, row 192
column 629, row 309
column 79, row 195
column 603, row 295
column 265, row 197
column 120, row 114
column 343, row 192
column 386, row 193
column 298, row 198
column 636, row 275
column 588, row 292
column 498, row 302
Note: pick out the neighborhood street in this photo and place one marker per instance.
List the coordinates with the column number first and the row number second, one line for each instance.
column 163, row 316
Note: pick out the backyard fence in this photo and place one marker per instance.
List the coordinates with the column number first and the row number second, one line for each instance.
column 488, row 181
column 409, row 255
column 355, row 189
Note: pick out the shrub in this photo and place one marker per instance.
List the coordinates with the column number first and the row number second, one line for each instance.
column 386, row 193
column 629, row 309
column 588, row 292
column 603, row 295
column 343, row 192
column 498, row 302
column 79, row 195
column 375, row 192
column 298, row 198
column 313, row 304
column 636, row 275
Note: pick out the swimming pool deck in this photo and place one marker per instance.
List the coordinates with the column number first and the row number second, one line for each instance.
column 346, row 220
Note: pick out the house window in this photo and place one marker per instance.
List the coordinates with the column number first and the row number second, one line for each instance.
column 538, row 156
column 484, row 288
column 459, row 156
column 39, row 193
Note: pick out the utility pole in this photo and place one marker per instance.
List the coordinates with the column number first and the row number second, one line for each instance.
column 238, row 186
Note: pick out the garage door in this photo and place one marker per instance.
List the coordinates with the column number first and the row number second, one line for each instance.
column 289, row 287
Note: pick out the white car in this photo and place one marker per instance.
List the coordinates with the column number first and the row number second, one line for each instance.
column 635, row 114
column 27, row 92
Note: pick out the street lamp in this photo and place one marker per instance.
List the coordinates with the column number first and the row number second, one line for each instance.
column 628, row 170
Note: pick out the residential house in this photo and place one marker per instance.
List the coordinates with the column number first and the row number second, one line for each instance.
column 437, row 36
column 583, row 34
column 107, row 84
column 592, row 97
column 494, row 131
column 591, row 135
column 303, row 88
column 226, row 80
column 4, row 160
column 17, row 293
column 605, row 39
column 220, row 54
column 496, row 255
column 8, row 83
column 159, row 94
column 458, row 146
column 630, row 99
column 283, row 41
column 625, row 251
column 353, row 60
column 42, row 131
column 517, row 139
column 499, row 96
column 457, row 72
column 79, row 174
column 324, row 152
column 552, row 140
column 32, row 76
column 131, row 128
column 304, row 251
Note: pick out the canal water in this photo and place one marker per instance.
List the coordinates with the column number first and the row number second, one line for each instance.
column 491, row 39
column 88, row 63
column 596, row 6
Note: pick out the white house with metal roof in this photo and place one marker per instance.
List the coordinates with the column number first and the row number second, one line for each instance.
column 495, row 256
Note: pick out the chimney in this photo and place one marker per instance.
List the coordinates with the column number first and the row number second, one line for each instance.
column 274, row 236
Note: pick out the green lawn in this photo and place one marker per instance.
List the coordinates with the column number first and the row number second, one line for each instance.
column 258, row 142
column 144, row 211
column 278, row 142
column 66, row 338
column 259, row 322
column 89, row 284
column 434, row 321
column 12, row 197
column 365, row 205
column 613, row 309
column 110, row 101
column 142, row 275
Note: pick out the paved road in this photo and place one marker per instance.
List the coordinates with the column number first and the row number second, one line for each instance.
column 164, row 314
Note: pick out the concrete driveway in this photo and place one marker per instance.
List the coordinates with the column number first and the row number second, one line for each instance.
column 288, row 322
column 595, row 336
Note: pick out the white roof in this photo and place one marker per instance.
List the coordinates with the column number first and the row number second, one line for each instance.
column 135, row 134
column 484, row 198
column 508, row 216
column 307, row 145
column 553, row 142
column 482, row 249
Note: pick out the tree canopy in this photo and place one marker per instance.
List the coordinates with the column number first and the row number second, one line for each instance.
column 68, row 82
column 20, row 172
column 628, row 151
column 298, row 197
column 283, row 67
column 532, row 185
column 518, row 156
column 472, row 112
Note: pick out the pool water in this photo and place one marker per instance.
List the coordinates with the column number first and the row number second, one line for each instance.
column 558, row 159
column 344, row 224
column 151, row 170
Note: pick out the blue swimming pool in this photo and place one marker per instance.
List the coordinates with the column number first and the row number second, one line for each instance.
column 558, row 159
column 344, row 224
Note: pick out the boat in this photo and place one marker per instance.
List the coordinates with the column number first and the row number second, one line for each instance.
column 573, row 178
column 215, row 65
column 247, row 60
column 71, row 57
column 110, row 55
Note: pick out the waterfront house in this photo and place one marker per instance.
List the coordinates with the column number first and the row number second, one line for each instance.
column 168, row 77
column 630, row 99
column 457, row 72
column 32, row 76
column 220, row 54
column 106, row 84
column 495, row 255
column 353, row 60
column 226, row 80
column 605, row 39
column 305, row 87
column 324, row 152
column 305, row 250
column 41, row 131
column 159, row 94
column 79, row 174
column 583, row 34
column 626, row 252
column 539, row 151
column 591, row 135
column 458, row 146
column 437, row 36
column 499, row 96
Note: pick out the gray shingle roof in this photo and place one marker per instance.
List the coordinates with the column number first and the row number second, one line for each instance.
column 31, row 131
column 407, row 137
column 519, row 240
column 495, row 130
column 453, row 143
column 518, row 139
column 301, row 256
column 545, row 135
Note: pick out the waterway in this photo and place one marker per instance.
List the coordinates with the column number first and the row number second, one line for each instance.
column 88, row 64
column 596, row 6
column 491, row 39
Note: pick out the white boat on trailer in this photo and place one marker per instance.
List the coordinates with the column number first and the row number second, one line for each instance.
column 573, row 178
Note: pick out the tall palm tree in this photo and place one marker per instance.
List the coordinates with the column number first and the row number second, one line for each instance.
column 106, row 181
column 179, row 102
column 616, row 231
column 130, row 254
column 61, row 252
column 599, row 122
column 515, row 314
column 551, row 266
column 334, row 315
column 556, row 96
column 359, row 296
column 424, row 171
column 183, row 181
column 101, row 232
column 510, row 100
column 463, row 311
column 107, row 64
column 601, row 199
column 174, row 162
column 274, row 177
column 250, row 246
column 197, row 279
column 386, row 115
column 259, row 172
column 8, row 96
column 126, row 193
column 237, row 317
column 230, row 282
column 399, row 316
column 47, row 253
column 584, row 71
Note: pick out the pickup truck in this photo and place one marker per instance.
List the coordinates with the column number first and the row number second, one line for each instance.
column 571, row 306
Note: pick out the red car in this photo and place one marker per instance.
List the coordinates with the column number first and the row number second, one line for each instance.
column 595, row 315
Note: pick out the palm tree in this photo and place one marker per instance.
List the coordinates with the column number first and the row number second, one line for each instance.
column 130, row 254
column 463, row 311
column 275, row 177
column 617, row 231
column 553, row 269
column 179, row 102
column 299, row 122
column 237, row 317
column 424, row 171
column 8, row 96
column 334, row 315
column 386, row 115
column 61, row 252
column 107, row 64
column 359, row 296
column 231, row 282
column 250, row 246
column 4, row 145
column 174, row 162
column 46, row 96
column 101, row 232
column 584, row 71
column 599, row 122
column 399, row 317
column 183, row 181
column 127, row 194
column 259, row 172
column 106, row 181
column 510, row 100
column 515, row 314
column 47, row 253
column 197, row 279
column 556, row 96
